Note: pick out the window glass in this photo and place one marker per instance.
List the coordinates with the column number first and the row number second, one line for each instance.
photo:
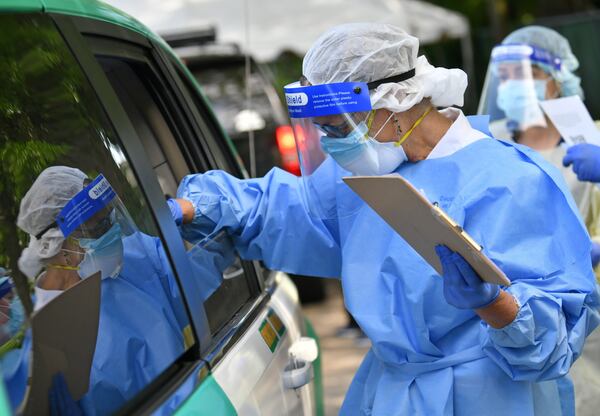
column 223, row 281
column 225, row 87
column 223, row 80
column 78, row 243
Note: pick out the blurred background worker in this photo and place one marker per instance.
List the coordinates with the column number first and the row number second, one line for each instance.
column 455, row 345
column 534, row 64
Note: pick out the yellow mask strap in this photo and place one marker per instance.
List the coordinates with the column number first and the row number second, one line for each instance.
column 414, row 126
column 370, row 120
column 61, row 267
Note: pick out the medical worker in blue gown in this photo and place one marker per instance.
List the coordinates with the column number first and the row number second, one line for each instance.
column 142, row 318
column 441, row 345
column 533, row 64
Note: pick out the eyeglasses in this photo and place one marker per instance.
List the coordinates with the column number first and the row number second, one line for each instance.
column 98, row 229
column 345, row 127
column 337, row 131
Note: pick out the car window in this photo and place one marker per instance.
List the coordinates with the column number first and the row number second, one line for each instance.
column 223, row 80
column 224, row 86
column 224, row 152
column 73, row 215
column 226, row 283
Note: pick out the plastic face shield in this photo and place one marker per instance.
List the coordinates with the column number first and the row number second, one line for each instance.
column 516, row 81
column 12, row 314
column 331, row 110
column 94, row 223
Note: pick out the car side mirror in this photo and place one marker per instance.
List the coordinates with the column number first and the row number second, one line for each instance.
column 248, row 120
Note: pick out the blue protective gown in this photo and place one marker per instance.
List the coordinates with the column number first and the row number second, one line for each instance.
column 427, row 357
column 142, row 319
column 140, row 333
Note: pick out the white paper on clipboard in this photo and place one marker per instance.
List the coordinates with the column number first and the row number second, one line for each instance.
column 422, row 224
column 572, row 120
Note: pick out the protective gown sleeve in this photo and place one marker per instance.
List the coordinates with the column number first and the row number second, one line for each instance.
column 529, row 228
column 267, row 220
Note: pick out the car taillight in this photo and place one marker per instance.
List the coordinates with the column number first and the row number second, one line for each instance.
column 287, row 149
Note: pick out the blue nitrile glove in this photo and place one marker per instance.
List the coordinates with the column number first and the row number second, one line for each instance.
column 463, row 288
column 595, row 253
column 176, row 211
column 61, row 402
column 585, row 159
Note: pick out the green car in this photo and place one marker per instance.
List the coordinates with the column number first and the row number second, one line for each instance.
column 87, row 87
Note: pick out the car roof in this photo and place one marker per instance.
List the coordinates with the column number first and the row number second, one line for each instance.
column 93, row 9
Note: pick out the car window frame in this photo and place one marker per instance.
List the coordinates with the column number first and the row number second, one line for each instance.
column 155, row 393
column 193, row 154
column 228, row 336
column 103, row 47
column 189, row 361
column 203, row 125
column 135, row 153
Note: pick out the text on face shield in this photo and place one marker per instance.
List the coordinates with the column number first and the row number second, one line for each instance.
column 296, row 99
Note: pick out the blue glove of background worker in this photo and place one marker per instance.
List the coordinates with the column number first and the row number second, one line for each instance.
column 585, row 159
column 176, row 211
column 595, row 254
column 463, row 288
column 61, row 401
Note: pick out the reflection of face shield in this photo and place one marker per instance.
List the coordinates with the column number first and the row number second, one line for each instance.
column 97, row 219
column 517, row 80
column 12, row 314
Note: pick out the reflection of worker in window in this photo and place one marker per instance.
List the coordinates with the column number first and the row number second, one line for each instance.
column 12, row 314
column 79, row 227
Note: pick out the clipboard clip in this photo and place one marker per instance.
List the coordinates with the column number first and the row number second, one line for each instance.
column 444, row 218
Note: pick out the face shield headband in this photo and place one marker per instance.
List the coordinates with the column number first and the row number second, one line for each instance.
column 88, row 202
column 329, row 116
column 521, row 51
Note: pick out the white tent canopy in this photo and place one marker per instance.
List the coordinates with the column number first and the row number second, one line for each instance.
column 277, row 25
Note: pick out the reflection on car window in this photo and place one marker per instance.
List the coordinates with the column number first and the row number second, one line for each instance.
column 218, row 270
column 224, row 86
column 72, row 212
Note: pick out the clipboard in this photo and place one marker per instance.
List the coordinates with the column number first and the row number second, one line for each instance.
column 422, row 224
column 64, row 334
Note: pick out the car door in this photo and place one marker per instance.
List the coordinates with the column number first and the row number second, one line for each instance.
column 149, row 337
column 244, row 330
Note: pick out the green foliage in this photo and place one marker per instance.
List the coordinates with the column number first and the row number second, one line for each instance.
column 49, row 115
column 22, row 162
column 286, row 69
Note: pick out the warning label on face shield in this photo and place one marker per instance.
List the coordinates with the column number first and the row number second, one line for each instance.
column 327, row 99
column 85, row 204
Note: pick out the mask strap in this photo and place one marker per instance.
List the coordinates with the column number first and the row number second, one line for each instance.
column 73, row 251
column 370, row 119
column 383, row 125
column 61, row 267
column 414, row 126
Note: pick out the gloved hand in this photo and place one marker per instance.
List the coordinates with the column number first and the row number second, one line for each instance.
column 176, row 211
column 463, row 289
column 595, row 253
column 585, row 159
column 61, row 402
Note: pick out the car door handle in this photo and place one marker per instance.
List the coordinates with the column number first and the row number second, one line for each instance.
column 297, row 373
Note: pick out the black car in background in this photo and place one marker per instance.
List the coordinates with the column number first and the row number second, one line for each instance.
column 222, row 69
